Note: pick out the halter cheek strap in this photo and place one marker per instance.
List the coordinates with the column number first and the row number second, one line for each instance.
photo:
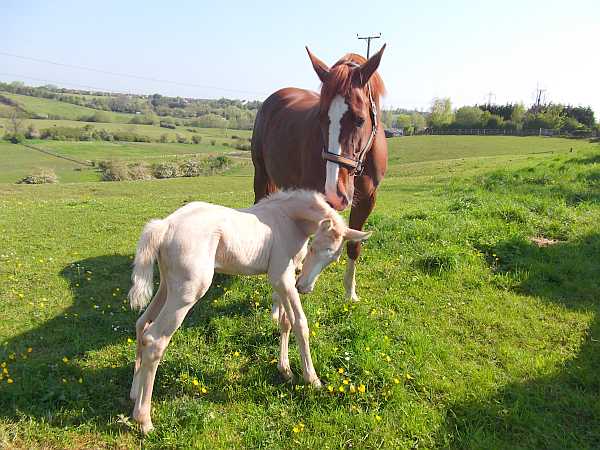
column 356, row 166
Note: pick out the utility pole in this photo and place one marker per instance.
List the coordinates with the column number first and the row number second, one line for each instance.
column 539, row 96
column 368, row 39
column 490, row 95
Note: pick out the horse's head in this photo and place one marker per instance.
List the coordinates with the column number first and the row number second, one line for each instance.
column 325, row 247
column 348, row 119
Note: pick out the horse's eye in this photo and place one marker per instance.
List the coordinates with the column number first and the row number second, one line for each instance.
column 359, row 121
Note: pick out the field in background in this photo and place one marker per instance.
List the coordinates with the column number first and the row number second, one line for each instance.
column 477, row 326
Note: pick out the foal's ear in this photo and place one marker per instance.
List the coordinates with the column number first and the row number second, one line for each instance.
column 325, row 225
column 320, row 67
column 368, row 68
column 356, row 236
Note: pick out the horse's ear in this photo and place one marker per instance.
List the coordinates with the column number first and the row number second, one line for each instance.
column 319, row 66
column 325, row 225
column 366, row 70
column 356, row 236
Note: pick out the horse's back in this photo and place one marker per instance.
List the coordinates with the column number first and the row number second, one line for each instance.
column 286, row 136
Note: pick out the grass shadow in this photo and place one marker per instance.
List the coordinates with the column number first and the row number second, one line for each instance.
column 67, row 379
column 558, row 411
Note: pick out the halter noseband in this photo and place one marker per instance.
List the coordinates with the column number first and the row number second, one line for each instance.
column 356, row 166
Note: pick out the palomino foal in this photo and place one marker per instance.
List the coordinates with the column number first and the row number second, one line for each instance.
column 199, row 239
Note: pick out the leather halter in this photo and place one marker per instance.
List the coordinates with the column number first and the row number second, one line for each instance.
column 356, row 166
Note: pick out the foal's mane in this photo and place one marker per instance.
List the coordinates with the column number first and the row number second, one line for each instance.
column 340, row 79
column 302, row 204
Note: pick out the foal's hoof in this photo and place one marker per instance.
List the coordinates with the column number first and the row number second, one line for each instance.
column 146, row 427
column 316, row 383
column 286, row 373
column 352, row 296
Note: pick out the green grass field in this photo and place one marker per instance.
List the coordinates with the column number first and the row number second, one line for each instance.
column 468, row 334
column 69, row 111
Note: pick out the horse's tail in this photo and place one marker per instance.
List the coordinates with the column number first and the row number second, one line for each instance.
column 143, row 265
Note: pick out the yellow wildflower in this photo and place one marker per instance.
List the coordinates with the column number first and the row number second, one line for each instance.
column 352, row 389
column 204, row 390
column 330, row 388
column 378, row 418
column 396, row 380
column 10, row 381
column 5, row 370
column 346, row 381
column 195, row 382
column 342, row 389
column 29, row 349
column 236, row 354
column 129, row 341
column 341, row 370
column 362, row 388
column 65, row 359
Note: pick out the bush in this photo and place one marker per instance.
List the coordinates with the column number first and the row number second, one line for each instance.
column 218, row 164
column 182, row 139
column 213, row 142
column 164, row 138
column 15, row 138
column 167, row 124
column 114, row 170
column 40, row 176
column 190, row 168
column 32, row 133
column 98, row 116
column 139, row 171
column 196, row 139
column 165, row 170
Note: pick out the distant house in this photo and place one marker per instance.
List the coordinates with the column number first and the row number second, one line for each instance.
column 393, row 132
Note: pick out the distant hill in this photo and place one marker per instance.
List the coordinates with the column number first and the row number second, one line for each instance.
column 51, row 102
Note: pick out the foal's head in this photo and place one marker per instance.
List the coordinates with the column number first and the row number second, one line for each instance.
column 325, row 247
column 348, row 117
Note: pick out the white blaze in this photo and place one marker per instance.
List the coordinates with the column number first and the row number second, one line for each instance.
column 337, row 109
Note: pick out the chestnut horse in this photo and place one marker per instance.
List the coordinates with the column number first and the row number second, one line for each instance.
column 332, row 142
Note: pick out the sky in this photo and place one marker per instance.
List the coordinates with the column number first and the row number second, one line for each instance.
column 466, row 50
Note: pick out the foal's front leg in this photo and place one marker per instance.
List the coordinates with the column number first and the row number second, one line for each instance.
column 290, row 300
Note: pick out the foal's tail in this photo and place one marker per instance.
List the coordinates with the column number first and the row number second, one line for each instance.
column 143, row 265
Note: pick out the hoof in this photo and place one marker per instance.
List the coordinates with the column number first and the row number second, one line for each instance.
column 286, row 373
column 352, row 296
column 146, row 427
column 316, row 383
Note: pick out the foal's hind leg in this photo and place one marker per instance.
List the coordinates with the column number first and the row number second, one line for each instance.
column 181, row 297
column 148, row 316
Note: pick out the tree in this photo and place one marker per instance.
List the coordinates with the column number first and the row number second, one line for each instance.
column 16, row 120
column 387, row 118
column 441, row 113
column 418, row 121
column 402, row 121
column 468, row 117
column 517, row 116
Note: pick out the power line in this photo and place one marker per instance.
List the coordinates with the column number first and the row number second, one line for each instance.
column 64, row 83
column 137, row 77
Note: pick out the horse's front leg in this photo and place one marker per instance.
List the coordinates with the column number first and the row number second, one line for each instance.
column 361, row 209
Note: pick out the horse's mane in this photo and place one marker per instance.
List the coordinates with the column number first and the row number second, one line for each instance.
column 304, row 205
column 339, row 81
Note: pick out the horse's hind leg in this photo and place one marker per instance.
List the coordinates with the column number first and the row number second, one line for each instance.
column 182, row 295
column 147, row 317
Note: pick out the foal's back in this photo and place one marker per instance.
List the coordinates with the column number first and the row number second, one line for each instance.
column 232, row 241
